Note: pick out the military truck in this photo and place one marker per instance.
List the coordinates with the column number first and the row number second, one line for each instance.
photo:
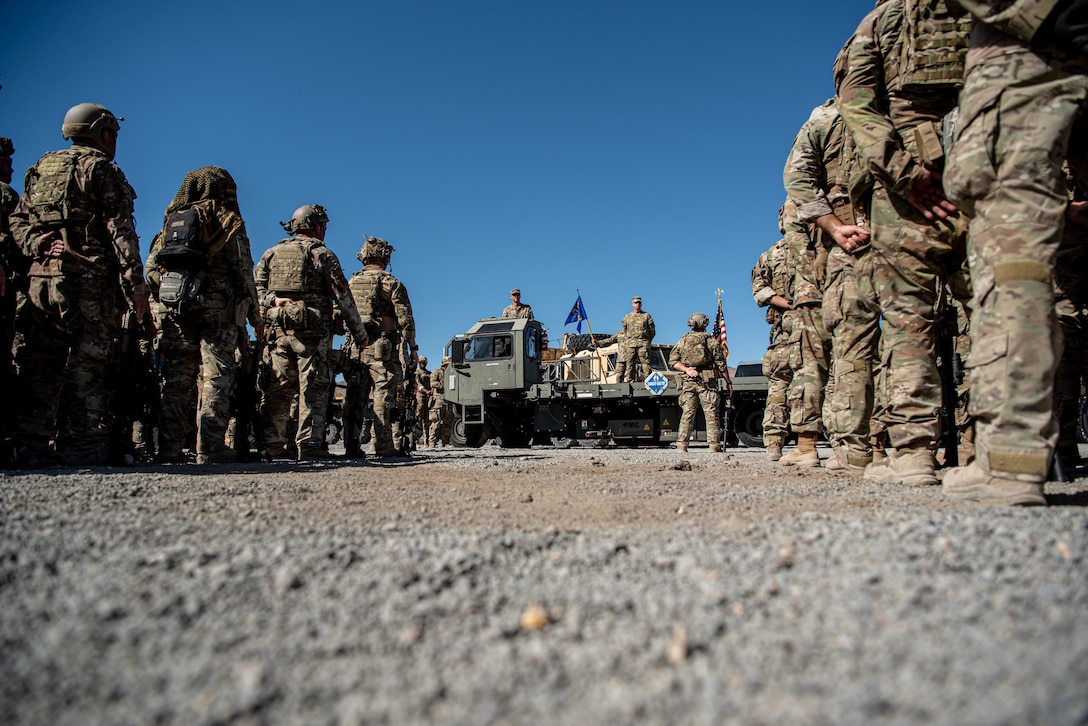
column 749, row 400
column 502, row 387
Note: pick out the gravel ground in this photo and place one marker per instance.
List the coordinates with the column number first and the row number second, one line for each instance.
column 542, row 586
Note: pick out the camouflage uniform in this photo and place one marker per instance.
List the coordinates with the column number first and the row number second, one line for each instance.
column 305, row 271
column 14, row 265
column 66, row 325
column 199, row 338
column 771, row 277
column 441, row 414
column 517, row 309
column 893, row 102
column 817, row 179
column 1031, row 82
column 810, row 351
column 702, row 352
column 383, row 303
column 423, row 400
column 638, row 331
column 1071, row 306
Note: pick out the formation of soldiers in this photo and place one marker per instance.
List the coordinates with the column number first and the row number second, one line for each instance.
column 936, row 212
column 930, row 219
column 107, row 350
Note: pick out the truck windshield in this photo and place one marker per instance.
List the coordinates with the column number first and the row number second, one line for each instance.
column 482, row 347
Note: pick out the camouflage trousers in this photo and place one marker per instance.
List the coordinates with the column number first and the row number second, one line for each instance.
column 910, row 256
column 198, row 355
column 1012, row 184
column 695, row 393
column 636, row 360
column 808, row 363
column 441, row 421
column 776, row 417
column 423, row 407
column 65, row 332
column 300, row 365
column 852, row 318
column 383, row 383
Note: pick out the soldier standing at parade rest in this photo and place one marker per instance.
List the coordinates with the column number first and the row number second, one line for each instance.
column 75, row 224
column 1023, row 111
column 298, row 282
column 900, row 76
column 200, row 273
column 382, row 301
column 516, row 309
column 638, row 331
column 770, row 288
column 699, row 358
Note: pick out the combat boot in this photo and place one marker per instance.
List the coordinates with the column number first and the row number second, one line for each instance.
column 912, row 467
column 774, row 448
column 681, row 446
column 315, row 454
column 880, row 445
column 715, row 448
column 805, row 456
column 971, row 484
column 222, row 456
column 844, row 460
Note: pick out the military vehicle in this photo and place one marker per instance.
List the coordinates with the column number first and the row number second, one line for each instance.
column 503, row 387
column 749, row 400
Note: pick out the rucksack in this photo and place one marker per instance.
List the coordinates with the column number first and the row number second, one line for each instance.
column 183, row 257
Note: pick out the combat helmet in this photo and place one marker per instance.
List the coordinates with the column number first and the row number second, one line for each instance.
column 6, row 147
column 423, row 360
column 306, row 217
column 698, row 322
column 87, row 120
column 375, row 248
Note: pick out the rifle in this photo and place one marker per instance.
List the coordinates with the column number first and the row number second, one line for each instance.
column 950, row 369
column 135, row 397
column 246, row 402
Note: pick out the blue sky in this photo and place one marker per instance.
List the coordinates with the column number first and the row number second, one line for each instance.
column 618, row 147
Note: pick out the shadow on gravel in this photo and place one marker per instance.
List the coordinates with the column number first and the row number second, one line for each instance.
column 1076, row 499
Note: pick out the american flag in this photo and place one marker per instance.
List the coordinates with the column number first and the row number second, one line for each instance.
column 719, row 326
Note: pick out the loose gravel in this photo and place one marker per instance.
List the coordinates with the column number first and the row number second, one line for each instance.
column 492, row 586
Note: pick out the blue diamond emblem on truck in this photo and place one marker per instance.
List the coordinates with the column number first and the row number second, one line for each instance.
column 656, row 383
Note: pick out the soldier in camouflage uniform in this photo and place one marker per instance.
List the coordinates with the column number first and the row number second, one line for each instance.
column 517, row 309
column 1027, row 77
column 638, row 332
column 201, row 329
column 810, row 345
column 75, row 224
column 384, row 306
column 298, row 283
column 817, row 179
column 897, row 78
column 441, row 414
column 423, row 399
column 770, row 288
column 12, row 278
column 699, row 358
column 1071, row 306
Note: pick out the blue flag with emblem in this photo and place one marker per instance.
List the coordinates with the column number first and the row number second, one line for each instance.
column 577, row 313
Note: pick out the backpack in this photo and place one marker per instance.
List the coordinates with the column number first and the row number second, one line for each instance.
column 54, row 196
column 184, row 257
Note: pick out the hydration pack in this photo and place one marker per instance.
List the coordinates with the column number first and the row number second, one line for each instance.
column 183, row 257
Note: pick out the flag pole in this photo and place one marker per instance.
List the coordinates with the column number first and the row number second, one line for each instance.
column 592, row 337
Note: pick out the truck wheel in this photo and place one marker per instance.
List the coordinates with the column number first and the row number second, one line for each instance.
column 470, row 437
column 749, row 425
column 576, row 343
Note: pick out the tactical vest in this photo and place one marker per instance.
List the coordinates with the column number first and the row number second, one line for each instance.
column 933, row 49
column 56, row 199
column 374, row 299
column 694, row 351
column 291, row 270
